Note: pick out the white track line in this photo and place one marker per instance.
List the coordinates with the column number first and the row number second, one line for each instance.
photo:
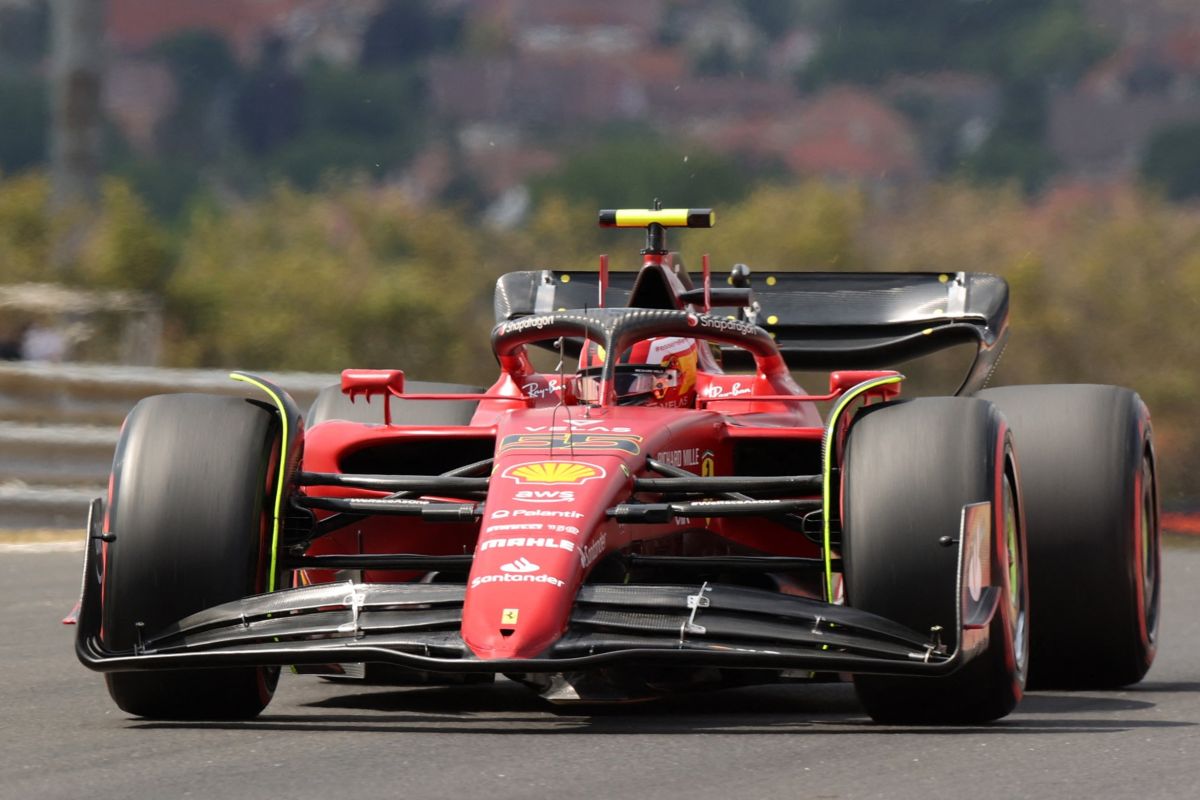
column 41, row 547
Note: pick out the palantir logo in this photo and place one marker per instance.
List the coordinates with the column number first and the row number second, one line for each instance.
column 520, row 565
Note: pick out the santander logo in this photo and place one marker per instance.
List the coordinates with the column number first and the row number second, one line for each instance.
column 520, row 565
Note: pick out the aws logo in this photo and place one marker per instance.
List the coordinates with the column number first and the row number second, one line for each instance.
column 546, row 496
column 553, row 472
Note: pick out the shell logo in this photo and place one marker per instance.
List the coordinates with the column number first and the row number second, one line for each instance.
column 554, row 472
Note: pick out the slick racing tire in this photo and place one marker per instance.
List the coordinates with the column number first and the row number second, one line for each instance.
column 909, row 469
column 1091, row 504
column 330, row 403
column 190, row 506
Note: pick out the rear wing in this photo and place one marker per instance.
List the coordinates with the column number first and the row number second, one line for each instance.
column 820, row 320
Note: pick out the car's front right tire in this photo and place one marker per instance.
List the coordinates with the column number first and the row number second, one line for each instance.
column 1091, row 503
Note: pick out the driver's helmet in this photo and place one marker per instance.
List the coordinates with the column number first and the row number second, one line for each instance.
column 654, row 372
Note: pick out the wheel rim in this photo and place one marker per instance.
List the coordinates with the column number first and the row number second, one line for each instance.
column 1016, row 576
column 1149, row 549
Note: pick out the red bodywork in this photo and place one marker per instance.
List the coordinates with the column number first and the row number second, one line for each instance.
column 559, row 467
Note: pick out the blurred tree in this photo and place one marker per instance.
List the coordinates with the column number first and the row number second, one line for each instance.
column 1026, row 45
column 773, row 18
column 199, row 61
column 206, row 77
column 24, row 110
column 405, row 31
column 1016, row 148
column 810, row 226
column 168, row 185
column 375, row 105
column 321, row 158
column 630, row 170
column 269, row 107
column 366, row 123
column 24, row 30
column 123, row 248
column 716, row 60
column 1005, row 157
column 1054, row 46
column 1019, row 39
column 127, row 249
column 25, row 233
column 562, row 233
column 25, row 127
column 349, row 277
column 1171, row 162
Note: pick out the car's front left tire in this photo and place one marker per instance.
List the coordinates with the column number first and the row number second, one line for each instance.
column 190, row 510
column 909, row 469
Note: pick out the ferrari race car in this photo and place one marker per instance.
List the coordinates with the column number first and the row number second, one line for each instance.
column 660, row 508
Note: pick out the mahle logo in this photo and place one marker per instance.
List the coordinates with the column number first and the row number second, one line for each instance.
column 553, row 472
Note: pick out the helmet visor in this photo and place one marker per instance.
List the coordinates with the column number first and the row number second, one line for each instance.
column 630, row 383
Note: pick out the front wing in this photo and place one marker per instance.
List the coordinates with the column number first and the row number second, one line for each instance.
column 417, row 626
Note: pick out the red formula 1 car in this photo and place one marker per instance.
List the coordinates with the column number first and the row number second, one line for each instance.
column 663, row 510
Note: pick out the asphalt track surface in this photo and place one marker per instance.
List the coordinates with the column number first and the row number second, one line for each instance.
column 61, row 737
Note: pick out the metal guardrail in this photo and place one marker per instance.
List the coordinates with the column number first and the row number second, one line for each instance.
column 59, row 424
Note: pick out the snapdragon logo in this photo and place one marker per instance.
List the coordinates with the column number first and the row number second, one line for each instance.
column 722, row 324
column 525, row 324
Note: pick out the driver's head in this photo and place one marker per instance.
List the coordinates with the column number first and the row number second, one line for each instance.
column 654, row 372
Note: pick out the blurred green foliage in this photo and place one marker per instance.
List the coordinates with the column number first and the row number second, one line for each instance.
column 351, row 276
column 632, row 168
column 404, row 31
column 1017, row 39
column 124, row 248
column 1027, row 46
column 1172, row 161
column 773, row 18
column 24, row 228
column 24, row 122
column 23, row 33
column 1105, row 285
column 812, row 226
column 351, row 123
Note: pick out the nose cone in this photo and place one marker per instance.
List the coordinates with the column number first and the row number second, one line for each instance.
column 519, row 598
column 542, row 517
